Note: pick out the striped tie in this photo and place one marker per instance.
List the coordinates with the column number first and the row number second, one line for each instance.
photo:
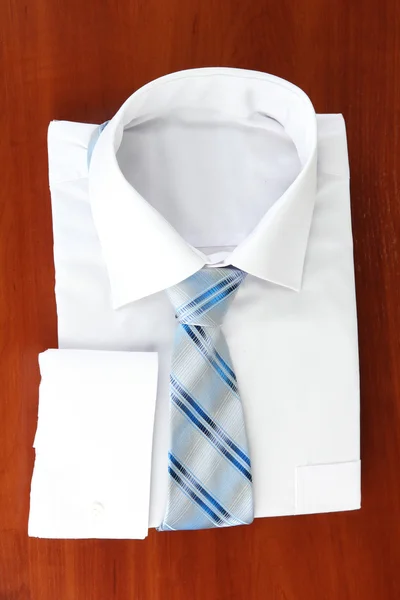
column 210, row 482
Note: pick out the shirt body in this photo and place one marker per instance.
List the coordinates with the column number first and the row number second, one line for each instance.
column 211, row 176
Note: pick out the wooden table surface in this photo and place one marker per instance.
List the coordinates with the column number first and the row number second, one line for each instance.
column 80, row 60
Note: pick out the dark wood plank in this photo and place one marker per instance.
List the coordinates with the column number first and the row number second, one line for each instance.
column 78, row 61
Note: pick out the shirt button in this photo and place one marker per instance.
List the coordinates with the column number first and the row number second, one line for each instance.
column 97, row 509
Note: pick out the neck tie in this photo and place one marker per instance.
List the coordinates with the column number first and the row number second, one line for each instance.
column 210, row 482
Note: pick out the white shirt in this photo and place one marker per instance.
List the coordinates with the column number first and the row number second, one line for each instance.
column 224, row 167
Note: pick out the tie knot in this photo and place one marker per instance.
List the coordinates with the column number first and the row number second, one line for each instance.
column 204, row 297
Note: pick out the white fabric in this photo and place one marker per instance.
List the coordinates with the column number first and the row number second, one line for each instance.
column 209, row 149
column 222, row 166
column 327, row 488
column 93, row 444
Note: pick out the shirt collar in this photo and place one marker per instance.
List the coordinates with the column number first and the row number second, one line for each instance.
column 144, row 254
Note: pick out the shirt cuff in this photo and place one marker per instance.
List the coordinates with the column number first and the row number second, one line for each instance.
column 93, row 444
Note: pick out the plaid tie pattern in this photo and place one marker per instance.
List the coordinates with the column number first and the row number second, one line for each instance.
column 210, row 483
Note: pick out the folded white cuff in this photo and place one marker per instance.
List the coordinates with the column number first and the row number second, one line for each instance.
column 93, row 444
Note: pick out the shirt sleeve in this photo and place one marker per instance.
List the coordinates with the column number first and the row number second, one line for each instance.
column 93, row 444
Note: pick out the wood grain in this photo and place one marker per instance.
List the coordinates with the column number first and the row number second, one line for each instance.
column 79, row 60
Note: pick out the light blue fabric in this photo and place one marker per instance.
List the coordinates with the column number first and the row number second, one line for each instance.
column 93, row 141
column 210, row 483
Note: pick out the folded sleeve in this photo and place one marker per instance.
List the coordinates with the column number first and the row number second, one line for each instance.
column 93, row 444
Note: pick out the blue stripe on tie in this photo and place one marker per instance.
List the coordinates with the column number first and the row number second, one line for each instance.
column 210, row 436
column 195, row 482
column 193, row 496
column 225, row 366
column 208, row 339
column 205, row 295
column 208, row 293
column 206, row 353
column 206, row 417
column 213, row 302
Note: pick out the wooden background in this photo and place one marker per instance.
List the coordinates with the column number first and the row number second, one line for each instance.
column 79, row 60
